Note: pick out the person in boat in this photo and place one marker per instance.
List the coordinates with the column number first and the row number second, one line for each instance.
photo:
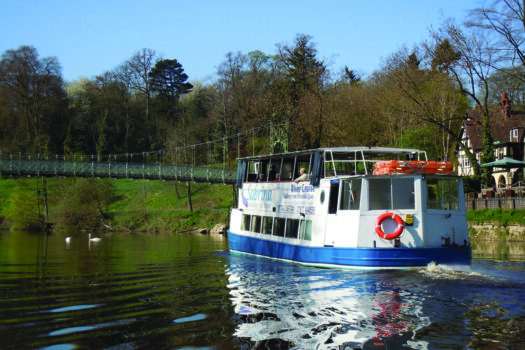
column 302, row 175
column 260, row 178
column 277, row 177
column 272, row 174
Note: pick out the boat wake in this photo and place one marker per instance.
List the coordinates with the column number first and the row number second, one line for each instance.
column 440, row 271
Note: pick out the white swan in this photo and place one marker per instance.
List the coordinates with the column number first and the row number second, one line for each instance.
column 94, row 239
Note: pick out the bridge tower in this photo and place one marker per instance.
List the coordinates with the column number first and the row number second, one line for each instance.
column 278, row 138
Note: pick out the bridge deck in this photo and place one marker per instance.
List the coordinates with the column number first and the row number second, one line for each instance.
column 68, row 168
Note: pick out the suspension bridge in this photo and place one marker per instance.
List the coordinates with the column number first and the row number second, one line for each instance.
column 203, row 167
column 61, row 166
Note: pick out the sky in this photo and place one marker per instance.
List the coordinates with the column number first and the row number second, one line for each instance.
column 90, row 37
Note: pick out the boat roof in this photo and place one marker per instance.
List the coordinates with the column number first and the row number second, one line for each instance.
column 368, row 152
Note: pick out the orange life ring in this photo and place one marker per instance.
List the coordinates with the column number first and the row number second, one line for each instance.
column 396, row 233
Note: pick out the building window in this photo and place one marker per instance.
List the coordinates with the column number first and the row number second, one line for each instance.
column 501, row 153
column 514, row 135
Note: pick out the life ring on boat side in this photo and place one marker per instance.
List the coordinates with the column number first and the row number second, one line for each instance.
column 396, row 233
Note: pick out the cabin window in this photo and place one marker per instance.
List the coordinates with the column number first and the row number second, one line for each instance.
column 334, row 196
column 245, row 223
column 286, row 171
column 305, row 230
column 267, row 225
column 391, row 193
column 442, row 194
column 351, row 194
column 292, row 228
column 278, row 227
column 256, row 223
column 403, row 193
column 380, row 194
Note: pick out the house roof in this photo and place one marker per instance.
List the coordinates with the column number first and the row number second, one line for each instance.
column 500, row 126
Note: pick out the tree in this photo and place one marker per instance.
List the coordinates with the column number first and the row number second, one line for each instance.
column 469, row 58
column 168, row 82
column 504, row 21
column 304, row 78
column 417, row 100
column 32, row 100
column 135, row 73
column 351, row 76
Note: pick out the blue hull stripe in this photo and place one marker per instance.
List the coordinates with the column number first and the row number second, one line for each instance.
column 358, row 257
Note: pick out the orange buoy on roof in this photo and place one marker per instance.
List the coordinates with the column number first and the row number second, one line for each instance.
column 388, row 167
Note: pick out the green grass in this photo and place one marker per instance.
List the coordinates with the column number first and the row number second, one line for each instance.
column 139, row 205
column 498, row 216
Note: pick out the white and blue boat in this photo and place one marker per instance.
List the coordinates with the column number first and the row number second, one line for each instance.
column 353, row 207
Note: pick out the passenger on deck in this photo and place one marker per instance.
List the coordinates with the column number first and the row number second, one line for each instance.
column 277, row 177
column 302, row 175
column 271, row 175
column 260, row 178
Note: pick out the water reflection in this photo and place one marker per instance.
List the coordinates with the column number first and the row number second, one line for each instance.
column 291, row 306
column 317, row 308
column 499, row 250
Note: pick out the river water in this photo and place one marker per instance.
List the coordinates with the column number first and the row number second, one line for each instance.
column 177, row 291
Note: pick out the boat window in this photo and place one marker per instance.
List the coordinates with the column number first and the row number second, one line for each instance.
column 305, row 230
column 267, row 225
column 403, row 193
column 286, row 171
column 292, row 228
column 256, row 223
column 351, row 195
column 278, row 227
column 442, row 194
column 334, row 196
column 380, row 195
column 391, row 193
column 245, row 223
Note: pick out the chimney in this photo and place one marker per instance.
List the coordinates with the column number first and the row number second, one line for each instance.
column 506, row 105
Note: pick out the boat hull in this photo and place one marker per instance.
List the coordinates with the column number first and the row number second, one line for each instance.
column 350, row 257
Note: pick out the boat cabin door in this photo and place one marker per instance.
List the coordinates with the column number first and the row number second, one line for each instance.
column 331, row 221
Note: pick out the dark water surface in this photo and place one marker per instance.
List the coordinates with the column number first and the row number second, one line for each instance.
column 174, row 291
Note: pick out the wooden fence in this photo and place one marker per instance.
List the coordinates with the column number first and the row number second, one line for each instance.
column 494, row 203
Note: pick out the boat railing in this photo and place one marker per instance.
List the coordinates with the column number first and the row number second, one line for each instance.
column 332, row 162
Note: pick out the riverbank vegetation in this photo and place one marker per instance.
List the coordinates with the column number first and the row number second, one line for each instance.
column 109, row 204
column 498, row 216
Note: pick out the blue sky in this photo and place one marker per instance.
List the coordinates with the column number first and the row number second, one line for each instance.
column 90, row 37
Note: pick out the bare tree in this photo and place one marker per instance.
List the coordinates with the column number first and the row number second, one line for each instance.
column 503, row 20
column 469, row 58
column 135, row 73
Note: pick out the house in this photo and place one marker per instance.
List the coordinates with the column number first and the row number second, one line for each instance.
column 507, row 129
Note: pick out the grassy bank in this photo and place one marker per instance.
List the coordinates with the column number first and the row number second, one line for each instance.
column 497, row 225
column 497, row 216
column 142, row 205
column 136, row 205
